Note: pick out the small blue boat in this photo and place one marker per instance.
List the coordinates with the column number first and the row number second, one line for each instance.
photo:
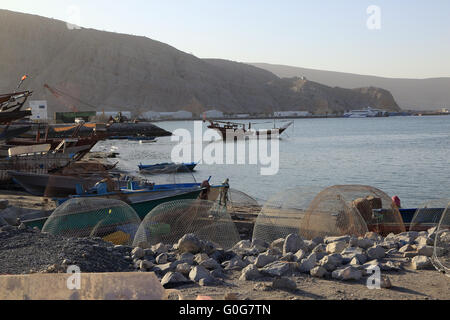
column 167, row 167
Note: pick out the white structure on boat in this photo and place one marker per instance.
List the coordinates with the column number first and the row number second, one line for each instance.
column 286, row 114
column 367, row 113
column 39, row 110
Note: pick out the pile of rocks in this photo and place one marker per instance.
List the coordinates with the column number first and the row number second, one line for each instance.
column 343, row 258
column 25, row 251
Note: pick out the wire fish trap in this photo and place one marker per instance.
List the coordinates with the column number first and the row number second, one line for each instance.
column 441, row 253
column 241, row 203
column 112, row 220
column 330, row 215
column 377, row 208
column 282, row 213
column 170, row 221
column 428, row 215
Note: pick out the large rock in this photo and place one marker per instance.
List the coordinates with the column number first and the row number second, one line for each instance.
column 284, row 284
column 137, row 253
column 197, row 273
column 173, row 279
column 365, row 243
column 190, row 243
column 236, row 263
column 276, row 269
column 307, row 264
column 376, row 252
column 347, row 273
column 425, row 250
column 184, row 269
column 210, row 264
column 162, row 258
column 292, row 244
column 250, row 273
column 318, row 272
column 330, row 263
column 264, row 260
column 336, row 247
column 421, row 263
column 278, row 244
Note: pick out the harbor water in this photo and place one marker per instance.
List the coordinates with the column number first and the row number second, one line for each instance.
column 404, row 156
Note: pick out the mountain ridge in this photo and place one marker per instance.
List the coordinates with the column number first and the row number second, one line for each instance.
column 414, row 94
column 116, row 71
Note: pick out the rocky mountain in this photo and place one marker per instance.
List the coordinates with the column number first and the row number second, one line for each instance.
column 110, row 71
column 410, row 94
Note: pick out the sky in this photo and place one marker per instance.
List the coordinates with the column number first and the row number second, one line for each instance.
column 406, row 38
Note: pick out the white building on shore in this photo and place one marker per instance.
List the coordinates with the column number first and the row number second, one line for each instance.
column 39, row 111
column 286, row 114
column 213, row 114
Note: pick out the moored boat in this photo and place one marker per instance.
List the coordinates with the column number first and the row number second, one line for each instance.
column 167, row 167
column 233, row 130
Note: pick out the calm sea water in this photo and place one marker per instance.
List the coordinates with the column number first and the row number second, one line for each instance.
column 404, row 156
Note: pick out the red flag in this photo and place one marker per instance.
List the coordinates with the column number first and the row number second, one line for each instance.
column 24, row 77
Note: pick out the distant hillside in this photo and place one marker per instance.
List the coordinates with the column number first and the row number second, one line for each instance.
column 110, row 71
column 410, row 94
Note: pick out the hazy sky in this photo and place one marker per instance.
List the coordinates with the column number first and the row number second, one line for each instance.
column 413, row 42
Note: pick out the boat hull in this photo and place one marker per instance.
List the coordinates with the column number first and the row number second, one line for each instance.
column 142, row 203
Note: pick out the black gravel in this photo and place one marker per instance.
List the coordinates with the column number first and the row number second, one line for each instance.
column 28, row 251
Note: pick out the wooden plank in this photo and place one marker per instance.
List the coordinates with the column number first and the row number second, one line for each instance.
column 28, row 149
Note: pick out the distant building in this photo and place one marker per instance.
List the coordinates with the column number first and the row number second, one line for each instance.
column 444, row 110
column 287, row 114
column 176, row 115
column 150, row 115
column 214, row 114
column 39, row 111
column 242, row 115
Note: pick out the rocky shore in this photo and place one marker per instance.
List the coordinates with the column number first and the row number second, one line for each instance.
column 196, row 266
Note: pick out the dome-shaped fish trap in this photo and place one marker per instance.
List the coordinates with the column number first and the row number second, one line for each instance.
column 282, row 214
column 170, row 221
column 240, row 202
column 375, row 206
column 331, row 215
column 428, row 215
column 112, row 220
column 441, row 254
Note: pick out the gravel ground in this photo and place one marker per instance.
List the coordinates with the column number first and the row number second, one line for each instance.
column 26, row 251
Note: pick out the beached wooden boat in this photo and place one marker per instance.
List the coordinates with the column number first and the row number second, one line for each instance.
column 59, row 185
column 167, row 167
column 144, row 201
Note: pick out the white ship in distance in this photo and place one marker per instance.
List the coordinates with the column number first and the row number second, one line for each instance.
column 367, row 113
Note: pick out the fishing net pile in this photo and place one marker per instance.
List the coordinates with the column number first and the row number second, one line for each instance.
column 441, row 254
column 428, row 215
column 170, row 221
column 112, row 220
column 376, row 207
column 282, row 213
